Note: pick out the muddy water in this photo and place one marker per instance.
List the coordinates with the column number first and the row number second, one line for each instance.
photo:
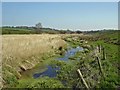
column 51, row 72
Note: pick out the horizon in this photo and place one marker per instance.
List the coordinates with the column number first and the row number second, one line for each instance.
column 61, row 29
column 73, row 16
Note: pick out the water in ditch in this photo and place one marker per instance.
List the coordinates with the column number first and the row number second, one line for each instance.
column 51, row 72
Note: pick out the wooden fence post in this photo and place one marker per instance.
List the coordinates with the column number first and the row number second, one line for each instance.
column 100, row 66
column 99, row 48
column 104, row 55
column 84, row 82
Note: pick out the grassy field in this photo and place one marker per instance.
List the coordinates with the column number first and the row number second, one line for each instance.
column 33, row 30
column 28, row 52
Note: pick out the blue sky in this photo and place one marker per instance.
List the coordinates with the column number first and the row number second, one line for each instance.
column 82, row 15
column 60, row 0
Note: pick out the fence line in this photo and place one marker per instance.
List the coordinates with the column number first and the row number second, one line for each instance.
column 84, row 82
column 101, row 50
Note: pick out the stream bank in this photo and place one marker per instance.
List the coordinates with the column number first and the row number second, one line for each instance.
column 51, row 71
column 63, row 67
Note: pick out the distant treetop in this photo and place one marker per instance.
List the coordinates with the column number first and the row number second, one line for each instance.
column 38, row 25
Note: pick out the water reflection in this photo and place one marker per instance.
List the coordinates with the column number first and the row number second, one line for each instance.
column 71, row 52
column 51, row 72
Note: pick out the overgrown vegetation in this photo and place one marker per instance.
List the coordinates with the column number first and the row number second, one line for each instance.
column 23, row 52
column 86, row 61
column 88, row 64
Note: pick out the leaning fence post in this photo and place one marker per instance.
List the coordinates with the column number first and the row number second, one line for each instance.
column 100, row 66
column 84, row 82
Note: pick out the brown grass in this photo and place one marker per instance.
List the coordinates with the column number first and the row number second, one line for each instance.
column 26, row 50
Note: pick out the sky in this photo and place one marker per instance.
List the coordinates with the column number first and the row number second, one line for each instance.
column 60, row 0
column 62, row 15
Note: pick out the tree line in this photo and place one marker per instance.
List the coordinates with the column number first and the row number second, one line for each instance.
column 35, row 30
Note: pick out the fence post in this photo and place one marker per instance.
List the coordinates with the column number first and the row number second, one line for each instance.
column 104, row 55
column 84, row 82
column 100, row 66
column 99, row 48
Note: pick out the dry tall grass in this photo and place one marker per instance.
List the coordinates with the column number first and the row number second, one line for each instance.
column 26, row 50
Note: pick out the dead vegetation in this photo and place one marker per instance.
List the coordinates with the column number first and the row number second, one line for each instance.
column 23, row 52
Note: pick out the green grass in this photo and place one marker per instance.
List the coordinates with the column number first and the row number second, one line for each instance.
column 32, row 30
column 17, row 31
column 44, row 82
column 110, row 41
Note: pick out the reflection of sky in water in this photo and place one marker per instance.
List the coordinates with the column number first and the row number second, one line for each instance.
column 51, row 72
column 70, row 53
